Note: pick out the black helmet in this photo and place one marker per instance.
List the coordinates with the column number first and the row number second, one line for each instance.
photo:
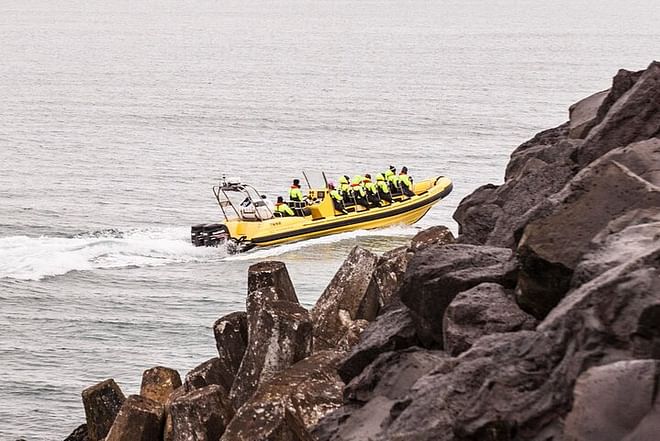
column 296, row 182
column 393, row 168
column 280, row 199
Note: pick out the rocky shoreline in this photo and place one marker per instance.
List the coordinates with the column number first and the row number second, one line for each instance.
column 541, row 321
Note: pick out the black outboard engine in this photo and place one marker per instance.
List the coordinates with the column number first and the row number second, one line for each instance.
column 209, row 235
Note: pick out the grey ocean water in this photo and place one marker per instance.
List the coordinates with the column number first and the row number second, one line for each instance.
column 117, row 117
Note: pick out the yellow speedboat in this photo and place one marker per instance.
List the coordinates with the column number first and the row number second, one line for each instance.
column 250, row 222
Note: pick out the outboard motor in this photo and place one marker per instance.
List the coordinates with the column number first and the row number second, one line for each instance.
column 209, row 235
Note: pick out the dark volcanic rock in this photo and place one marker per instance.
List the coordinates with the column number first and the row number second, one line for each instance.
column 436, row 235
column 518, row 385
column 291, row 403
column 102, row 403
column 231, row 335
column 201, row 415
column 437, row 274
column 635, row 116
column 487, row 308
column 476, row 215
column 392, row 374
column 622, row 82
column 79, row 434
column 552, row 244
column 139, row 419
column 271, row 274
column 158, row 383
column 280, row 334
column 212, row 371
column 393, row 330
column 538, row 168
column 627, row 237
column 619, row 401
column 583, row 115
column 347, row 291
column 385, row 282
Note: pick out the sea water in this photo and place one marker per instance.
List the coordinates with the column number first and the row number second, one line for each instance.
column 116, row 118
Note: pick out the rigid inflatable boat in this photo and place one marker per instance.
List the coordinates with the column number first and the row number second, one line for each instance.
column 249, row 221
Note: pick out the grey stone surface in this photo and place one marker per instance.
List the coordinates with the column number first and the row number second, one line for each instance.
column 437, row 274
column 393, row 330
column 487, row 308
column 346, row 291
column 635, row 116
column 615, row 402
column 279, row 335
column 291, row 403
column 231, row 335
column 583, row 115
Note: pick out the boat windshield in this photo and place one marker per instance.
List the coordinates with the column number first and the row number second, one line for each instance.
column 315, row 179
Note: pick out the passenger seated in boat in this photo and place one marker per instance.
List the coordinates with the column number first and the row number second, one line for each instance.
column 372, row 191
column 393, row 181
column 337, row 199
column 383, row 188
column 282, row 208
column 406, row 182
column 359, row 192
column 345, row 190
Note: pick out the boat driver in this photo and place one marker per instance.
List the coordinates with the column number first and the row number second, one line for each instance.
column 295, row 193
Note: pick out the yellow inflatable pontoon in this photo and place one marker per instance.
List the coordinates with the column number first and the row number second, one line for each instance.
column 250, row 222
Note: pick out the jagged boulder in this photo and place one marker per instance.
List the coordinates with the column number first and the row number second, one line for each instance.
column 553, row 243
column 271, row 274
column 393, row 330
column 487, row 308
column 79, row 434
column 618, row 401
column 138, row 419
column 231, row 335
column 436, row 235
column 625, row 238
column 583, row 115
column 201, row 415
column 476, row 215
column 279, row 335
column 538, row 169
column 437, row 274
column 102, row 403
column 383, row 288
column 635, row 116
column 622, row 82
column 347, row 291
column 291, row 403
column 158, row 383
column 212, row 371
column 519, row 385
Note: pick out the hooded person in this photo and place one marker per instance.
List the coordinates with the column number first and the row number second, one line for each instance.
column 405, row 182
column 383, row 188
column 337, row 199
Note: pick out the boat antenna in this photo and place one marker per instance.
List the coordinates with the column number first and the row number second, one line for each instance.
column 307, row 180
